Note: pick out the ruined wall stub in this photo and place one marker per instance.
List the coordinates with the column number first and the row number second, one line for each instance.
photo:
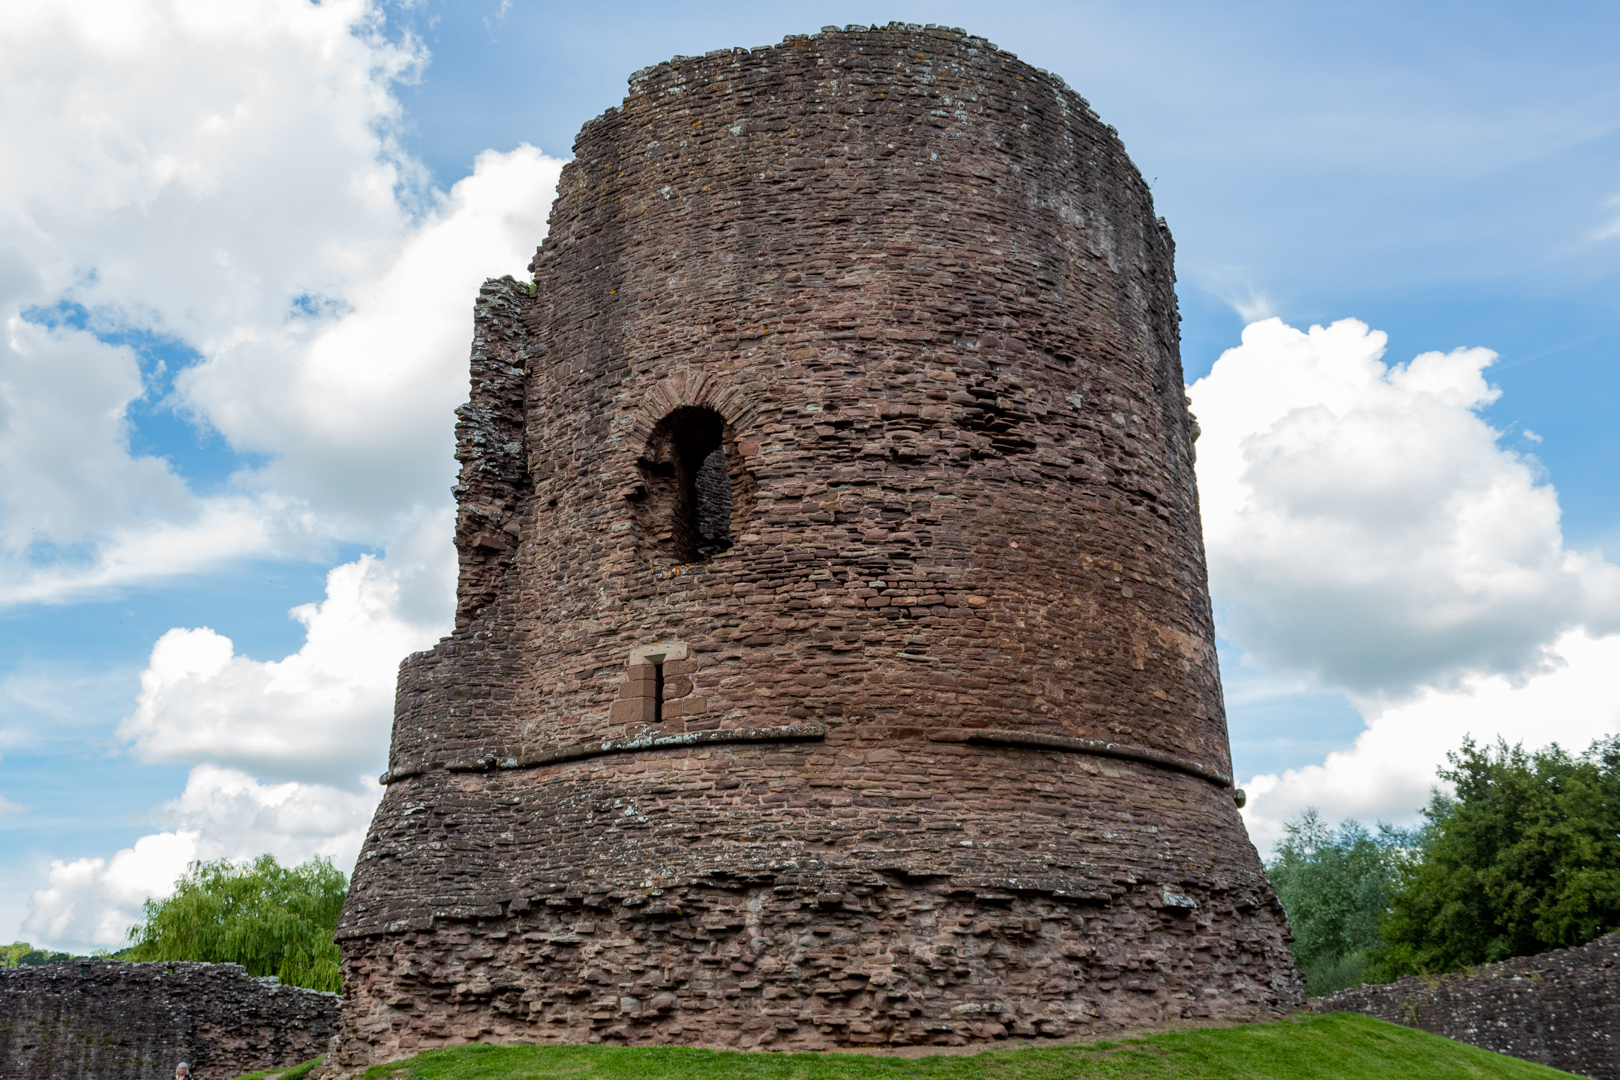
column 925, row 744
column 1559, row 1008
column 110, row 1020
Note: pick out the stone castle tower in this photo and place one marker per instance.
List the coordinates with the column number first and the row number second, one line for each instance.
column 833, row 662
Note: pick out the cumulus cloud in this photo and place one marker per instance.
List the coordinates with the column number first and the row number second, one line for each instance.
column 216, row 221
column 65, row 466
column 92, row 902
column 322, row 714
column 199, row 165
column 362, row 424
column 316, row 722
column 1367, row 528
column 1369, row 532
column 223, row 813
column 223, row 180
column 1388, row 773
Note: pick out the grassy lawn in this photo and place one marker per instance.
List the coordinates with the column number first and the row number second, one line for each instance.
column 296, row 1072
column 1341, row 1046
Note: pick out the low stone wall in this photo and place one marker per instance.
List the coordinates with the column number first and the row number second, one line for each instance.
column 1560, row 1008
column 108, row 1020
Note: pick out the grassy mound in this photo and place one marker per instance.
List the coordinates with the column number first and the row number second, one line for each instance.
column 297, row 1072
column 1340, row 1046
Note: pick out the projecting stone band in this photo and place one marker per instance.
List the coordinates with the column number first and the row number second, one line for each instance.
column 813, row 733
column 1122, row 751
column 599, row 748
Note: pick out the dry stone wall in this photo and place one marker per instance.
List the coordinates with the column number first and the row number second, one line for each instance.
column 934, row 751
column 108, row 1020
column 1560, row 1008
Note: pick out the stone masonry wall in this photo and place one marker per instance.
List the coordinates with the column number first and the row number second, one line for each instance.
column 1560, row 1008
column 935, row 750
column 108, row 1020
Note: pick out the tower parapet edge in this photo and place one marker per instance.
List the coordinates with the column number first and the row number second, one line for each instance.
column 834, row 662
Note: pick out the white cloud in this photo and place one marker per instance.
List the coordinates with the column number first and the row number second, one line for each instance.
column 1250, row 302
column 1368, row 532
column 318, row 721
column 196, row 164
column 322, row 714
column 1366, row 527
column 65, row 466
column 93, row 902
column 223, row 177
column 222, row 814
column 1390, row 770
column 362, row 423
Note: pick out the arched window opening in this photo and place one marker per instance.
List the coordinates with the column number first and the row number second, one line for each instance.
column 712, row 502
column 687, row 512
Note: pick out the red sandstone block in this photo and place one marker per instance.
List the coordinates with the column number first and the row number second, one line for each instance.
column 638, row 710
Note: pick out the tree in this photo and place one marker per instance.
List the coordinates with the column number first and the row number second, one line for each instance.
column 271, row 919
column 22, row 954
column 1335, row 886
column 1525, row 857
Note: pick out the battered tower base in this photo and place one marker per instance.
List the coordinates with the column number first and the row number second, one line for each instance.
column 1092, row 895
column 834, row 663
column 800, row 964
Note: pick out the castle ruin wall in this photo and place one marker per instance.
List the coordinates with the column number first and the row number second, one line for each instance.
column 926, row 744
column 110, row 1020
column 1559, row 1008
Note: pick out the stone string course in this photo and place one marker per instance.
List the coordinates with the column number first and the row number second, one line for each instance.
column 108, row 1020
column 918, row 293
column 1559, row 1008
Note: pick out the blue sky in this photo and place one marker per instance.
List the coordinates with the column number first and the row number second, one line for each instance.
column 237, row 325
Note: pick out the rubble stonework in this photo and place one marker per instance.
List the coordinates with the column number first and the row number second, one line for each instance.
column 109, row 1020
column 1560, row 1008
column 924, row 746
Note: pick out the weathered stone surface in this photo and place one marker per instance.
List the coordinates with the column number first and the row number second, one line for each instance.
column 924, row 745
column 107, row 1020
column 1560, row 1008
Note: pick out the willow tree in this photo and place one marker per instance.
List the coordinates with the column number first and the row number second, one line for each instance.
column 271, row 919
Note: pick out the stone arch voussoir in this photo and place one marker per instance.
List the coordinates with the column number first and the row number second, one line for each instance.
column 692, row 389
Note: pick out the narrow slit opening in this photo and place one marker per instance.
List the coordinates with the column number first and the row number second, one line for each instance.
column 658, row 692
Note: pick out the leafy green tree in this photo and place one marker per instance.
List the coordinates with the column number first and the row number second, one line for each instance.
column 1525, row 857
column 271, row 919
column 22, row 954
column 1335, row 886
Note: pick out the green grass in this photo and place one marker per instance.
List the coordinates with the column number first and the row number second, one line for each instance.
column 1339, row 1046
column 296, row 1072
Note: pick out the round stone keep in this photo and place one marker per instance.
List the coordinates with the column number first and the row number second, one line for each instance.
column 833, row 661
